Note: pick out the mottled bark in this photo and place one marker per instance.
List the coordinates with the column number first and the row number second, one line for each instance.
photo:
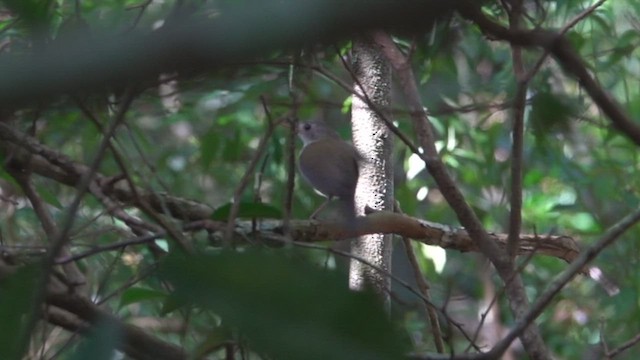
column 373, row 141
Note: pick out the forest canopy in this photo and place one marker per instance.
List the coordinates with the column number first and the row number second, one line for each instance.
column 151, row 205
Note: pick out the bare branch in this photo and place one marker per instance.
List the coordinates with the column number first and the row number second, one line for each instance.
column 517, row 137
column 237, row 194
column 137, row 343
column 620, row 349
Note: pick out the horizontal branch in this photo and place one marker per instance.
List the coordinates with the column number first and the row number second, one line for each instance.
column 25, row 151
column 426, row 232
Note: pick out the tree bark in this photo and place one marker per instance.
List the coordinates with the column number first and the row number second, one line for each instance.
column 373, row 141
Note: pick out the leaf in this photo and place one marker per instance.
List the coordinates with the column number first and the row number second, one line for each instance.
column 215, row 339
column 232, row 147
column 550, row 113
column 209, row 147
column 35, row 13
column 138, row 294
column 16, row 302
column 277, row 152
column 625, row 46
column 101, row 343
column 171, row 304
column 346, row 105
column 49, row 197
column 248, row 210
column 219, row 99
column 285, row 308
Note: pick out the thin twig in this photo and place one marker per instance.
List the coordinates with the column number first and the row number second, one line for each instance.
column 564, row 53
column 424, row 289
column 534, row 70
column 143, row 239
column 625, row 346
column 113, row 207
column 382, row 271
column 532, row 338
column 59, row 239
column 501, row 291
column 76, row 277
column 291, row 149
column 173, row 233
column 436, row 332
column 237, row 194
column 561, row 280
column 517, row 146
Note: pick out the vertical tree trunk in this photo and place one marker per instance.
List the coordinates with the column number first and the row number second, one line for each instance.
column 373, row 141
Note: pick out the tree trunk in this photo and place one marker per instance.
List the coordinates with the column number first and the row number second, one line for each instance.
column 373, row 141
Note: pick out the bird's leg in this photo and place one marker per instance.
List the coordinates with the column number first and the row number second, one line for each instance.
column 315, row 213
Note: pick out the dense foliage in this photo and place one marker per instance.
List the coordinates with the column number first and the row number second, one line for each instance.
column 192, row 135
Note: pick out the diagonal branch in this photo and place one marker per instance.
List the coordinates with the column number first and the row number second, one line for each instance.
column 531, row 338
column 137, row 343
column 565, row 54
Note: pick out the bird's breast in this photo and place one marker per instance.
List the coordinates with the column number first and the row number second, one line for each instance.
column 330, row 166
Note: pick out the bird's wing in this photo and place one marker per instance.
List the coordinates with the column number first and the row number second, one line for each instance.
column 331, row 166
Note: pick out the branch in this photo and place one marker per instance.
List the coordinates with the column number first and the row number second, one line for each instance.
column 49, row 163
column 561, row 280
column 514, row 286
column 564, row 53
column 517, row 146
column 42, row 160
column 137, row 343
column 237, row 194
column 620, row 349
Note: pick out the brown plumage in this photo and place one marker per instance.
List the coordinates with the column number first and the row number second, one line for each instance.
column 328, row 163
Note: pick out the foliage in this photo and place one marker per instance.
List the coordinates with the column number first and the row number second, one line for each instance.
column 194, row 139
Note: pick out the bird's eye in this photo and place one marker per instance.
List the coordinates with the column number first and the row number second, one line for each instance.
column 307, row 127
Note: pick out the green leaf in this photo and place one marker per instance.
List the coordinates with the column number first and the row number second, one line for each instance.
column 49, row 197
column 232, row 146
column 248, row 210
column 35, row 13
column 346, row 105
column 101, row 343
column 138, row 294
column 171, row 303
column 215, row 339
column 17, row 296
column 285, row 308
column 550, row 113
column 277, row 151
column 209, row 147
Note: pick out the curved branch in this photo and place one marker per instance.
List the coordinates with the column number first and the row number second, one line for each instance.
column 137, row 343
column 51, row 164
column 564, row 53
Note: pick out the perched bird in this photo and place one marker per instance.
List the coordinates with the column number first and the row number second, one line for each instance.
column 329, row 164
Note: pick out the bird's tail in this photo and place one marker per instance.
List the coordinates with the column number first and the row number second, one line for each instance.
column 348, row 211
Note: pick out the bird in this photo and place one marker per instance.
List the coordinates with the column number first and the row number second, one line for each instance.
column 329, row 164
